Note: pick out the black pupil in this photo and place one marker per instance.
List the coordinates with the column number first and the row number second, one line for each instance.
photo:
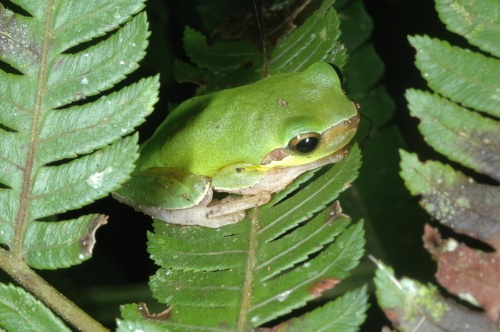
column 307, row 145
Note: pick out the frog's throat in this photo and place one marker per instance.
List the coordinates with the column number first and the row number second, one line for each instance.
column 332, row 140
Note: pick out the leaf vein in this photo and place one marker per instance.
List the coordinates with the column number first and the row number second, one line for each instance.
column 306, row 281
column 291, row 248
column 299, row 205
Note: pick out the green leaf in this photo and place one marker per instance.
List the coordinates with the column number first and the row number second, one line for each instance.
column 337, row 179
column 134, row 326
column 461, row 135
column 231, row 63
column 356, row 25
column 62, row 128
column 476, row 21
column 247, row 274
column 453, row 198
column 82, row 180
column 20, row 311
column 50, row 245
column 463, row 76
column 339, row 315
column 317, row 39
column 224, row 55
column 139, row 318
column 96, row 128
column 60, row 151
column 365, row 67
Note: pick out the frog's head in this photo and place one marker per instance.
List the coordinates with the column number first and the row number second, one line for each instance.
column 316, row 125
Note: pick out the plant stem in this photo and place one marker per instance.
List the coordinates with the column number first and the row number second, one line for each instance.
column 246, row 301
column 36, row 285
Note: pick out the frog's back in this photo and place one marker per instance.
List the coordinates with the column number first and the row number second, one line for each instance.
column 204, row 134
column 244, row 124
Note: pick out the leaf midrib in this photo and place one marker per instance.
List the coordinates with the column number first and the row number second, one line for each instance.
column 22, row 216
column 247, row 290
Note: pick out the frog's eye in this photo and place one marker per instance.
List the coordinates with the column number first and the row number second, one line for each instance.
column 304, row 143
column 339, row 72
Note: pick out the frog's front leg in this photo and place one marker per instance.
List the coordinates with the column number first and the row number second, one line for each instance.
column 179, row 197
column 218, row 213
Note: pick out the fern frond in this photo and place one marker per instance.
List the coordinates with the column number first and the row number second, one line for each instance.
column 232, row 63
column 315, row 40
column 19, row 310
column 466, row 77
column 62, row 139
column 58, row 151
column 476, row 21
column 465, row 84
column 251, row 272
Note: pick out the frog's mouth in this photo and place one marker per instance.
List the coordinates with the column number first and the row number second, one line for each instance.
column 332, row 141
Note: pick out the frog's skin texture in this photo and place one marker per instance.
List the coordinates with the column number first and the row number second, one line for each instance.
column 251, row 141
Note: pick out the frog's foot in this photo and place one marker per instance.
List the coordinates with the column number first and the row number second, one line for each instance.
column 218, row 213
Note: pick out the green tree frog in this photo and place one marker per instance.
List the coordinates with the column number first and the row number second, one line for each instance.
column 250, row 141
